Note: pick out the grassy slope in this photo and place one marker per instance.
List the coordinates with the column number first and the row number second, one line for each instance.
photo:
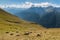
column 12, row 24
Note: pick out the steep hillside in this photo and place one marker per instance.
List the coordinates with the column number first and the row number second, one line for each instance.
column 13, row 28
column 6, row 19
column 11, row 23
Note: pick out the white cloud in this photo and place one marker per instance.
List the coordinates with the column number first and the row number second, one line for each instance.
column 46, row 4
column 42, row 4
column 28, row 5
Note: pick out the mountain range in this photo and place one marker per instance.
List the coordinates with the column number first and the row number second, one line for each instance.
column 46, row 16
column 35, row 23
column 33, row 27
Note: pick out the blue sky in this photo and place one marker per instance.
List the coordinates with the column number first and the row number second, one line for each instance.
column 27, row 6
column 22, row 1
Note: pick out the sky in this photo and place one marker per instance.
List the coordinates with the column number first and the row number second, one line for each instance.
column 20, row 2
